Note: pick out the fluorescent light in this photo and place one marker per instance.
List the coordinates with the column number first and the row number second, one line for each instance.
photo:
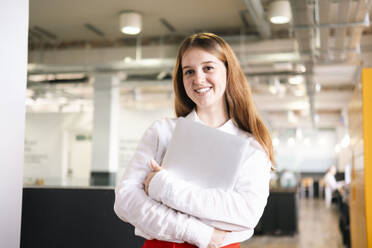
column 296, row 80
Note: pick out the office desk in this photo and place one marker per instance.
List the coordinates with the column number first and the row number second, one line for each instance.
column 73, row 217
column 280, row 216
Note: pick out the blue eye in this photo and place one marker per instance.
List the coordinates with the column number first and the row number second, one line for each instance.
column 188, row 72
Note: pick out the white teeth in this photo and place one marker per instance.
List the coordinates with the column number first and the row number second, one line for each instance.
column 203, row 90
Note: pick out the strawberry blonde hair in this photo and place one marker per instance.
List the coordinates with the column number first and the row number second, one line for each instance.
column 238, row 96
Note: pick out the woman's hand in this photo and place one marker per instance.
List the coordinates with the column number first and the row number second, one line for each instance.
column 156, row 168
column 217, row 239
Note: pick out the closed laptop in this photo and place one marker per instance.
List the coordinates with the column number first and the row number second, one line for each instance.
column 203, row 155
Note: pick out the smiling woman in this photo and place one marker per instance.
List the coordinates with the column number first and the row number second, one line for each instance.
column 204, row 79
column 210, row 88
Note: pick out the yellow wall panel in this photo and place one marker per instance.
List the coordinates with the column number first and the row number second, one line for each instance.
column 367, row 130
column 357, row 197
column 360, row 129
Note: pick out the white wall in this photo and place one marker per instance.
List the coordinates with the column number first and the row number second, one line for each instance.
column 48, row 150
column 46, row 144
column 48, row 129
column 133, row 123
column 313, row 152
column 13, row 67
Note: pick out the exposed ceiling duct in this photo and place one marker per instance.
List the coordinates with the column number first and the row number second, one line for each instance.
column 314, row 23
column 320, row 46
column 256, row 15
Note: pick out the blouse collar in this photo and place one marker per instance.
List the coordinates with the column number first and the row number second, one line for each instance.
column 228, row 126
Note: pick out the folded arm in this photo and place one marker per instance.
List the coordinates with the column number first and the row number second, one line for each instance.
column 153, row 218
column 238, row 209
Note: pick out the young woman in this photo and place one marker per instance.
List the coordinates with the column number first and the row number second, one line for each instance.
column 210, row 88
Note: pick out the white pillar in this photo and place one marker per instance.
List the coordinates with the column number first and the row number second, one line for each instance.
column 13, row 71
column 105, row 137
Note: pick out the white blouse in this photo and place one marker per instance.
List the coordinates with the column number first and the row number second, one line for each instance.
column 178, row 211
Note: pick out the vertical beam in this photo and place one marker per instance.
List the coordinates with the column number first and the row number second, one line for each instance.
column 367, row 133
column 105, row 152
column 13, row 71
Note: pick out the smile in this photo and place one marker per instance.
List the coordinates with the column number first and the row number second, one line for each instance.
column 203, row 90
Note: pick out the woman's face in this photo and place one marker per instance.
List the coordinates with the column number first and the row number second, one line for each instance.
column 204, row 78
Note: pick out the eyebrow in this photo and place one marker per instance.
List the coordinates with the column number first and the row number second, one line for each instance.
column 205, row 62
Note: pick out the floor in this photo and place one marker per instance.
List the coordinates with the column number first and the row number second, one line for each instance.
column 318, row 228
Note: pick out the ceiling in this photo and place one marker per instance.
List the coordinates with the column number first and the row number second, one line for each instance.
column 321, row 45
column 66, row 19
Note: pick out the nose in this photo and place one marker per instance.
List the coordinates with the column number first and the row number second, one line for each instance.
column 199, row 77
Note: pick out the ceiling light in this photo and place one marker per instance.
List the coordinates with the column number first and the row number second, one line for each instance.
column 299, row 133
column 296, row 80
column 280, row 12
column 301, row 68
column 345, row 142
column 299, row 92
column 273, row 90
column 130, row 22
column 316, row 118
column 291, row 141
column 292, row 118
column 127, row 59
column 322, row 141
column 283, row 66
column 276, row 142
column 337, row 148
column 318, row 87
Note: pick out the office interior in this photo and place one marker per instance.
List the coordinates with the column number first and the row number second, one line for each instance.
column 92, row 90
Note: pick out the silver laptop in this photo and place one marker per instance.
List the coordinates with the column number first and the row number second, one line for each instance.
column 203, row 155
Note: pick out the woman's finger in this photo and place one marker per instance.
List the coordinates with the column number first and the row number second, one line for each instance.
column 155, row 165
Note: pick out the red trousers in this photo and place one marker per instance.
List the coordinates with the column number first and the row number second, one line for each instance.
column 163, row 244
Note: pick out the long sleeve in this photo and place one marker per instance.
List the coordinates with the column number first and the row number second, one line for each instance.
column 331, row 182
column 150, row 217
column 236, row 210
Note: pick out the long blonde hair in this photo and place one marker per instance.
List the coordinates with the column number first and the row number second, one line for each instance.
column 238, row 96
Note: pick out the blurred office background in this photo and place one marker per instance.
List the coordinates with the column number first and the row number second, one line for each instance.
column 92, row 90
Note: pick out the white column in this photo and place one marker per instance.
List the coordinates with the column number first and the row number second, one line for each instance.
column 105, row 135
column 13, row 71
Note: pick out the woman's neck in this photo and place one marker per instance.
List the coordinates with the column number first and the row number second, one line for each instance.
column 213, row 116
